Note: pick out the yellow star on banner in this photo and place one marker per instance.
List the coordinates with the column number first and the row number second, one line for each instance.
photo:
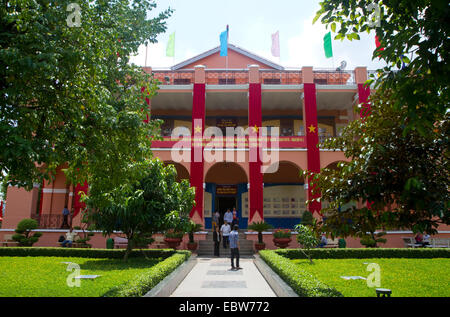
column 198, row 129
column 312, row 129
column 255, row 128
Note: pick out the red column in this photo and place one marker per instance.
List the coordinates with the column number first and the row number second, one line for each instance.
column 198, row 126
column 256, row 212
column 363, row 91
column 311, row 132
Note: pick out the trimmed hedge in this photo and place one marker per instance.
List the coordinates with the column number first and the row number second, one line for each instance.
column 84, row 252
column 360, row 253
column 302, row 282
column 145, row 282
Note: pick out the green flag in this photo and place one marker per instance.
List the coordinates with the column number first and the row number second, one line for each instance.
column 327, row 45
column 170, row 50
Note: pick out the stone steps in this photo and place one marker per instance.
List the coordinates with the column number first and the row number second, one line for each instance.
column 206, row 247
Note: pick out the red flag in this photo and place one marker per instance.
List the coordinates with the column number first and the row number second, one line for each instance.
column 378, row 44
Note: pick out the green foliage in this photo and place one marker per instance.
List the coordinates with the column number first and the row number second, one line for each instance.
column 24, row 232
column 154, row 202
column 302, row 282
column 192, row 228
column 307, row 238
column 413, row 32
column 307, row 218
column 260, row 227
column 83, row 252
column 396, row 173
column 87, row 230
column 142, row 284
column 70, row 95
column 174, row 234
column 360, row 253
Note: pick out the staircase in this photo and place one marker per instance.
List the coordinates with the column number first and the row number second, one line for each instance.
column 206, row 247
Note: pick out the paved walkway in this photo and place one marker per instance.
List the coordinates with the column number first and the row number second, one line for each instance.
column 212, row 277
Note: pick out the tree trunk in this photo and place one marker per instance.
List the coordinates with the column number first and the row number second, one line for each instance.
column 128, row 250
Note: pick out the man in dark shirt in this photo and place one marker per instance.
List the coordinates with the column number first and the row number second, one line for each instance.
column 65, row 213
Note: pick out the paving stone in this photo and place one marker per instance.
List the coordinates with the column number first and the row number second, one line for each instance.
column 224, row 284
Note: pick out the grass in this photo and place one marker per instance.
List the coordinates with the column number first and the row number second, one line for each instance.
column 47, row 276
column 405, row 277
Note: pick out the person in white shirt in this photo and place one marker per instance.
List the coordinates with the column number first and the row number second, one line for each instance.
column 228, row 216
column 225, row 230
column 69, row 238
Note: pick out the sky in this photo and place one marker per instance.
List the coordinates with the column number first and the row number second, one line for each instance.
column 198, row 23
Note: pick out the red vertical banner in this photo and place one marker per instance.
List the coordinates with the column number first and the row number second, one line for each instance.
column 312, row 140
column 77, row 204
column 363, row 95
column 256, row 190
column 198, row 126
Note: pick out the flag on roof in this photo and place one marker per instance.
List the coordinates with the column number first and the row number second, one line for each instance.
column 224, row 42
column 327, row 45
column 276, row 44
column 170, row 50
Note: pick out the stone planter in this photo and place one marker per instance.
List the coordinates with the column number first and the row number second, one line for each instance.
column 192, row 246
column 282, row 243
column 260, row 246
column 173, row 242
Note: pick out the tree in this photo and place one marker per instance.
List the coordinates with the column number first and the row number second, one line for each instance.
column 260, row 227
column 400, row 181
column 153, row 203
column 24, row 232
column 68, row 93
column 308, row 238
column 415, row 35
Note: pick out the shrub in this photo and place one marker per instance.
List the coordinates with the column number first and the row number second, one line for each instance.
column 360, row 253
column 174, row 234
column 145, row 282
column 302, row 282
column 192, row 228
column 24, row 231
column 84, row 253
column 307, row 218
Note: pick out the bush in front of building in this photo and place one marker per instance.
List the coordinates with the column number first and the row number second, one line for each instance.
column 24, row 232
column 145, row 282
column 307, row 238
column 361, row 253
column 302, row 282
column 83, row 252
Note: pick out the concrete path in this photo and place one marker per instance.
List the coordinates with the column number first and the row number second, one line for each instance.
column 212, row 277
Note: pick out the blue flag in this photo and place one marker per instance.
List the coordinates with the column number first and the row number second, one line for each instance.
column 224, row 43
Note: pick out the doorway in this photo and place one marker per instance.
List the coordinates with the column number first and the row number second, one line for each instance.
column 223, row 203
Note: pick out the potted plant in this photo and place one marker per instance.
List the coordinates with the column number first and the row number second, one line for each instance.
column 192, row 228
column 173, row 238
column 282, row 238
column 260, row 227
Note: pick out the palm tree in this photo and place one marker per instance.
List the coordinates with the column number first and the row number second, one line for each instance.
column 260, row 227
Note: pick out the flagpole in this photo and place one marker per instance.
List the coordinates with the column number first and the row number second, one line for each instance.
column 226, row 60
column 146, row 50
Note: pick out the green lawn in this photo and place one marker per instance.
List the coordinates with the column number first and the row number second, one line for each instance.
column 47, row 276
column 405, row 277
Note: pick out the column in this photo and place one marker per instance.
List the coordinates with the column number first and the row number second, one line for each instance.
column 198, row 126
column 311, row 133
column 256, row 212
column 20, row 204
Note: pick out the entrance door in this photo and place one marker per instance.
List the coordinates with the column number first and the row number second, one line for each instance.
column 223, row 203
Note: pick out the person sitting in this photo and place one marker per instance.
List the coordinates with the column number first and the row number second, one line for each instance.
column 69, row 238
column 426, row 240
column 419, row 238
column 323, row 241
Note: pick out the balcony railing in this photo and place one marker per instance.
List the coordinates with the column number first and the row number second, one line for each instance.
column 227, row 77
column 285, row 77
column 334, row 77
column 182, row 77
column 50, row 221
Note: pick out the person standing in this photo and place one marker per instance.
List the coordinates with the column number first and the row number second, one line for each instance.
column 235, row 218
column 228, row 216
column 234, row 248
column 215, row 220
column 225, row 229
column 65, row 213
column 216, row 239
